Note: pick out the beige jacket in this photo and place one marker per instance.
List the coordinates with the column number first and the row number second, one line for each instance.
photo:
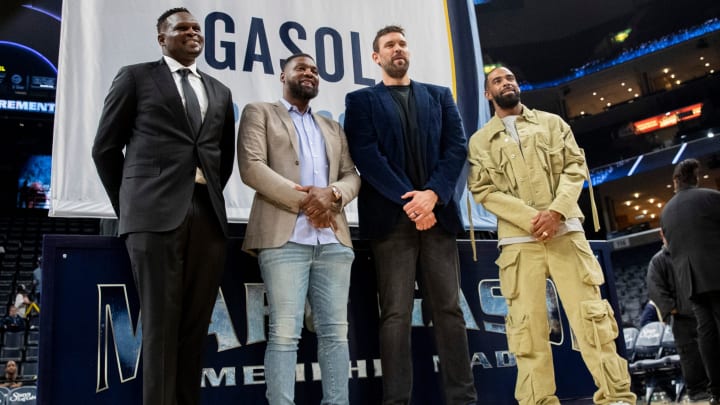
column 514, row 185
column 268, row 158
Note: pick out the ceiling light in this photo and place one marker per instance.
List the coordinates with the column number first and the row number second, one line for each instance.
column 637, row 208
column 707, row 64
column 608, row 104
column 706, row 176
column 677, row 81
column 637, row 95
column 652, row 216
column 636, row 195
column 644, row 212
column 668, row 186
column 702, row 58
column 582, row 112
column 659, row 205
column 622, row 84
column 712, row 71
column 710, row 134
column 651, row 200
column 594, row 93
column 666, row 70
column 629, row 89
column 628, row 203
column 602, row 98
column 672, row 76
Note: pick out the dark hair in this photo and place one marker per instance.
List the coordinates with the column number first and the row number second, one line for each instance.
column 163, row 17
column 686, row 172
column 384, row 31
column 295, row 56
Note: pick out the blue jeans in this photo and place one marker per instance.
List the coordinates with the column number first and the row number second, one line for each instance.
column 322, row 273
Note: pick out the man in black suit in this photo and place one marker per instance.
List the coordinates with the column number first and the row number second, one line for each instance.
column 691, row 224
column 176, row 125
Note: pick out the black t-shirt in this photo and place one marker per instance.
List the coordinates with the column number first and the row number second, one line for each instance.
column 415, row 141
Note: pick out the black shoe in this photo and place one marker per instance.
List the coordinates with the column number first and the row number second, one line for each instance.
column 714, row 400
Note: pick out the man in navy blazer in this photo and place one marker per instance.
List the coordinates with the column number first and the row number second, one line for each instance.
column 167, row 192
column 408, row 143
column 691, row 224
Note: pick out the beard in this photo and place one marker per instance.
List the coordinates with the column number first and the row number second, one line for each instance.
column 394, row 71
column 508, row 100
column 301, row 92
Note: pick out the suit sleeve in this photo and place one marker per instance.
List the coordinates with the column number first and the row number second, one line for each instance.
column 364, row 146
column 114, row 131
column 660, row 291
column 227, row 143
column 348, row 181
column 253, row 162
column 452, row 150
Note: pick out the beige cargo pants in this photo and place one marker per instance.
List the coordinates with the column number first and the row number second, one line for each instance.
column 570, row 263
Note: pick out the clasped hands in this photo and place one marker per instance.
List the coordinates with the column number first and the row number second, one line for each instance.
column 545, row 225
column 420, row 208
column 318, row 205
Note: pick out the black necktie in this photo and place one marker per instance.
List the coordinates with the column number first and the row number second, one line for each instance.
column 192, row 106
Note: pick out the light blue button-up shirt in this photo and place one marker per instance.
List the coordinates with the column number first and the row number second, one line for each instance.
column 313, row 171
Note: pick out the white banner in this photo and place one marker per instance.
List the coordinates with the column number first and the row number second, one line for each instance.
column 245, row 42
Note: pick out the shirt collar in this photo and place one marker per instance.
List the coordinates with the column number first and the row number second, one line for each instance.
column 496, row 124
column 175, row 66
column 291, row 107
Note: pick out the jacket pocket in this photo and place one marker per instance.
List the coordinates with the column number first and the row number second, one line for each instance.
column 141, row 170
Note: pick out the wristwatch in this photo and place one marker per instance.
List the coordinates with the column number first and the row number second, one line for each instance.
column 336, row 193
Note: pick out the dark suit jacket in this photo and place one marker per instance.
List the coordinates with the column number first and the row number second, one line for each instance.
column 151, row 186
column 663, row 286
column 375, row 136
column 691, row 224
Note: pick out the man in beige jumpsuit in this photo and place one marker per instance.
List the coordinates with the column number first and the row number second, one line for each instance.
column 527, row 169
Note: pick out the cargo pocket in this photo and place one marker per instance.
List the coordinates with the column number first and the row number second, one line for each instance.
column 588, row 265
column 599, row 326
column 508, row 269
column 518, row 335
column 617, row 378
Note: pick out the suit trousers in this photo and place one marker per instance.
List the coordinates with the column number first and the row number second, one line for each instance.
column 569, row 261
column 177, row 275
column 686, row 340
column 431, row 257
column 706, row 307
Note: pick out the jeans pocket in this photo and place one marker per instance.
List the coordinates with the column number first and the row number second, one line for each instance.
column 588, row 265
column 508, row 268
column 599, row 326
column 518, row 335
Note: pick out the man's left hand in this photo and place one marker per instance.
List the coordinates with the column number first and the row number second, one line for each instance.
column 421, row 204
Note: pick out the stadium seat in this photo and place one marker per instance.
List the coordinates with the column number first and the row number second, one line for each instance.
column 651, row 368
column 14, row 339
column 26, row 395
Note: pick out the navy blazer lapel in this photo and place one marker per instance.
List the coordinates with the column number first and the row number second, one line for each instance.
column 394, row 133
column 422, row 105
column 165, row 83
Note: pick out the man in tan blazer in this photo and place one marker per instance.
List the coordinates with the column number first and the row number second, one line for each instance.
column 300, row 167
